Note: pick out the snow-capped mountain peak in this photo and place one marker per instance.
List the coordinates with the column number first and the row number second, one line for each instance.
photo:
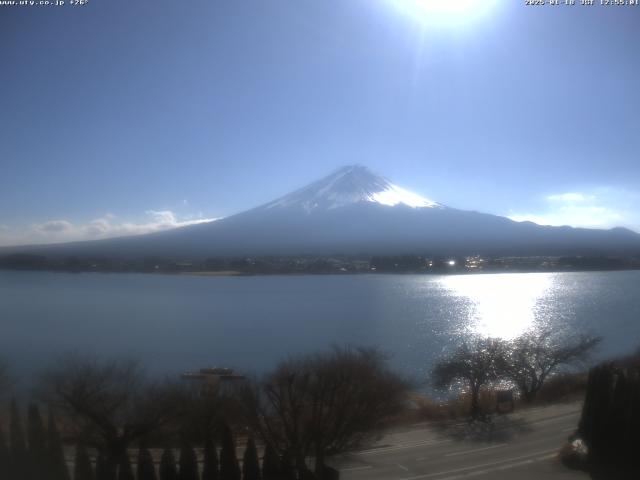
column 351, row 185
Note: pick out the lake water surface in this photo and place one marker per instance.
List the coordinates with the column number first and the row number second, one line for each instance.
column 178, row 323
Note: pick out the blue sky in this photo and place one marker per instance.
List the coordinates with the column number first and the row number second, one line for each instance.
column 124, row 117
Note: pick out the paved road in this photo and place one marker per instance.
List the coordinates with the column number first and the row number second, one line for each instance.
column 520, row 446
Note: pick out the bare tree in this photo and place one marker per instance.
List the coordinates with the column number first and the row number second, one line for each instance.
column 532, row 357
column 474, row 363
column 324, row 404
column 109, row 404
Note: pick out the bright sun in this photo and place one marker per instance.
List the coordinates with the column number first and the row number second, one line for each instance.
column 445, row 11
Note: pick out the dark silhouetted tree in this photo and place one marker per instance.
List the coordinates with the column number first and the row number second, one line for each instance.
column 287, row 470
column 4, row 456
column 82, row 466
column 611, row 419
column 146, row 470
column 99, row 469
column 202, row 409
column 168, row 470
column 57, row 463
column 210, row 468
column 250, row 462
column 532, row 357
column 112, row 400
column 19, row 463
column 37, row 439
column 229, row 468
column 270, row 464
column 125, row 471
column 474, row 363
column 188, row 463
column 105, row 468
column 321, row 405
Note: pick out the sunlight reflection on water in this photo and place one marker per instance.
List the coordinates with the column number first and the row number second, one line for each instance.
column 501, row 305
column 175, row 323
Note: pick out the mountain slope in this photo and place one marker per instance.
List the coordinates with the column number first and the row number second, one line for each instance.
column 353, row 211
column 349, row 185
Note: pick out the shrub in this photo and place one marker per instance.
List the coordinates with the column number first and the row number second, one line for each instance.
column 57, row 463
column 125, row 471
column 188, row 464
column 270, row 464
column 210, row 468
column 250, row 463
column 168, row 469
column 229, row 468
column 18, row 450
column 146, row 470
column 37, row 437
column 611, row 420
column 82, row 469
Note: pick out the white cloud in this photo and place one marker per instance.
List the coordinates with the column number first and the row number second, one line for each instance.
column 600, row 208
column 55, row 226
column 570, row 197
column 107, row 226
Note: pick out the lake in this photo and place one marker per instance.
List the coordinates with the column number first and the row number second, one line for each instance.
column 177, row 323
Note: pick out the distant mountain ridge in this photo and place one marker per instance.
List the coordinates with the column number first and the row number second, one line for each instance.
column 354, row 211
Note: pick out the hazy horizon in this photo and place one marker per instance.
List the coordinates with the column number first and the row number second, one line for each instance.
column 166, row 220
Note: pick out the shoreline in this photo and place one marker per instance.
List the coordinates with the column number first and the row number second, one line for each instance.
column 237, row 273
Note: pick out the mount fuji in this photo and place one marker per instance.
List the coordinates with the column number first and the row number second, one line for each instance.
column 347, row 186
column 354, row 211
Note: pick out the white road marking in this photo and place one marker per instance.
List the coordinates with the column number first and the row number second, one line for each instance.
column 355, row 469
column 501, row 468
column 535, row 455
column 464, row 452
column 402, row 467
column 552, row 420
column 377, row 451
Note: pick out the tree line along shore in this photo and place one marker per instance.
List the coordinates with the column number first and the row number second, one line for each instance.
column 115, row 423
column 308, row 264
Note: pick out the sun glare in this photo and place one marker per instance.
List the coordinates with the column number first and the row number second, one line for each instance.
column 444, row 12
column 501, row 305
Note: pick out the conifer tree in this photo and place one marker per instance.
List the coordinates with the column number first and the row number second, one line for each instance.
column 168, row 466
column 102, row 472
column 125, row 471
column 56, row 463
column 229, row 468
column 4, row 456
column 18, row 460
column 270, row 464
column 106, row 469
column 37, row 439
column 188, row 464
column 82, row 465
column 250, row 462
column 146, row 470
column 287, row 472
column 210, row 467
